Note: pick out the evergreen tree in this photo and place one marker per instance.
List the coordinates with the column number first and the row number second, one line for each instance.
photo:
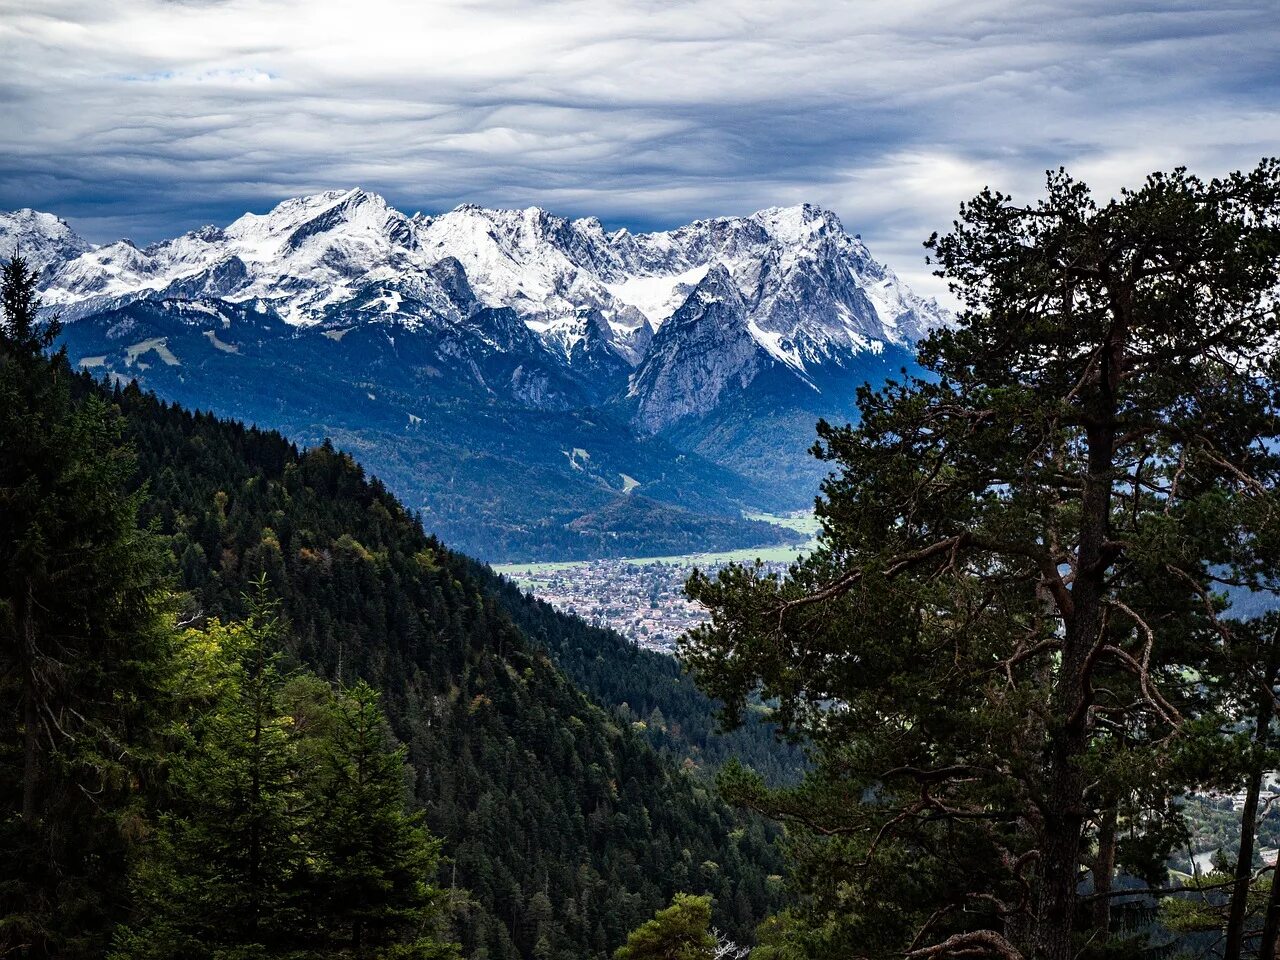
column 228, row 871
column 681, row 931
column 373, row 859
column 23, row 338
column 995, row 648
column 285, row 831
column 83, row 642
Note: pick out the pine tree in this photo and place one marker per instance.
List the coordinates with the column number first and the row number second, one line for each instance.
column 681, row 931
column 995, row 648
column 83, row 642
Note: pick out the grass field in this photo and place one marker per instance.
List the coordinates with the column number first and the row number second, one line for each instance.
column 800, row 522
column 805, row 523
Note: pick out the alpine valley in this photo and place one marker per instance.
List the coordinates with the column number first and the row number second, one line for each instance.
column 533, row 386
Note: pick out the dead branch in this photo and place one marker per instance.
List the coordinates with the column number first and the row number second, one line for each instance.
column 975, row 943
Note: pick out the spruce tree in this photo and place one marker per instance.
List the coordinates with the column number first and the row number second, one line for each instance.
column 285, row 830
column 227, row 872
column 83, row 642
column 373, row 861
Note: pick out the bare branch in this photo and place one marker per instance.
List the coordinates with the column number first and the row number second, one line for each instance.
column 1142, row 669
column 975, row 943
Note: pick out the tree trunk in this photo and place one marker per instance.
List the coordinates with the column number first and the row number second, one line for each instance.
column 1064, row 816
column 1063, row 825
column 31, row 754
column 1248, row 824
column 1069, row 740
column 1244, row 866
column 1271, row 921
column 30, row 718
column 255, row 808
column 1104, row 868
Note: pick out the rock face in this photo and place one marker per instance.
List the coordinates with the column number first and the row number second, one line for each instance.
column 725, row 338
column 41, row 238
column 704, row 350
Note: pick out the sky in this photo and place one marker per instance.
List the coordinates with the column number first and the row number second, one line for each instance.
column 146, row 118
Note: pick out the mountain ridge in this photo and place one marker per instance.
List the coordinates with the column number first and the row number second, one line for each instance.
column 528, row 258
column 492, row 345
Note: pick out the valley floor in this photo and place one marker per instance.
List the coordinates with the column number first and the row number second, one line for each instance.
column 643, row 597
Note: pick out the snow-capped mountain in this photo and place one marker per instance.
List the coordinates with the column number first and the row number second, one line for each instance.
column 704, row 349
column 723, row 339
column 809, row 288
column 41, row 238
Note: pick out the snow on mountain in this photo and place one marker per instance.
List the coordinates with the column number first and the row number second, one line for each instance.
column 787, row 283
column 658, row 297
column 42, row 238
column 304, row 255
column 704, row 349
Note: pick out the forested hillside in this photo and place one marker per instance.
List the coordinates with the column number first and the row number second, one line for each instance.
column 650, row 689
column 564, row 825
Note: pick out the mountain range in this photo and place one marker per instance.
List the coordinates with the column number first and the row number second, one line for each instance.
column 535, row 387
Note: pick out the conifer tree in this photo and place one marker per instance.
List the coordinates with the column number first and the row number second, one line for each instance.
column 83, row 642
column 681, row 931
column 995, row 648
column 227, row 872
column 373, row 860
column 286, row 830
column 23, row 338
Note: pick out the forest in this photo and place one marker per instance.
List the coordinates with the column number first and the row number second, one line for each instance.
column 560, row 827
column 253, row 710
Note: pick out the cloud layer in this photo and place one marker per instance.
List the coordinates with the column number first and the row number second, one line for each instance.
column 144, row 118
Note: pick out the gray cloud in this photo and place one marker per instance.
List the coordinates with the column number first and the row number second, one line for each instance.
column 147, row 117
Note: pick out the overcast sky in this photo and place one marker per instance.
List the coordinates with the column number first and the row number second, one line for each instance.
column 145, row 118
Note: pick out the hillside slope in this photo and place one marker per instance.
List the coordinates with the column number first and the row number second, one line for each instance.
column 564, row 824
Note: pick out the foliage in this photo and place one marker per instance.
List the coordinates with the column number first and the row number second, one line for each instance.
column 681, row 931
column 285, row 829
column 996, row 648
column 83, row 637
column 374, row 859
column 225, row 872
column 540, row 796
column 636, row 682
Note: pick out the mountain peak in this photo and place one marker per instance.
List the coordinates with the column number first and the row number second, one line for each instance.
column 795, row 224
column 705, row 350
column 289, row 214
column 807, row 287
column 717, row 285
column 42, row 238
